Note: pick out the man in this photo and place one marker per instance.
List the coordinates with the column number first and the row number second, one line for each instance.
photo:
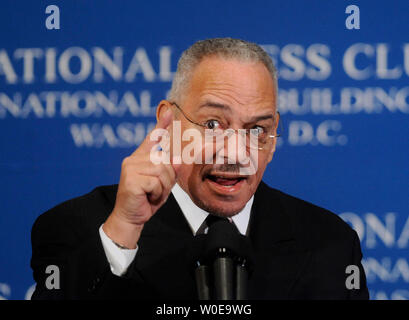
column 132, row 240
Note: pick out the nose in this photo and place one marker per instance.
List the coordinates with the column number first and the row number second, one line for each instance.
column 232, row 149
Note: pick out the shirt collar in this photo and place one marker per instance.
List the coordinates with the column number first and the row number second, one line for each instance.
column 195, row 216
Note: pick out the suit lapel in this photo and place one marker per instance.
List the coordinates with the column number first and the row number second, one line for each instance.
column 279, row 259
column 162, row 260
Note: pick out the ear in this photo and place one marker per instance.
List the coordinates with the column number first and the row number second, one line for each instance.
column 273, row 149
column 161, row 109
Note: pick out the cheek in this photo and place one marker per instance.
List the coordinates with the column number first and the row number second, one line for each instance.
column 263, row 160
column 270, row 156
column 189, row 175
column 184, row 171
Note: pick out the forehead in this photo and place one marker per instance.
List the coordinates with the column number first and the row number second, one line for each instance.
column 245, row 86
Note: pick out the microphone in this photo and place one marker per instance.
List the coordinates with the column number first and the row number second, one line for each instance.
column 223, row 276
column 244, row 267
column 229, row 253
column 202, row 282
column 241, row 281
column 201, row 270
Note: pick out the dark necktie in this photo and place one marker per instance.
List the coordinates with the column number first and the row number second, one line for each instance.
column 209, row 221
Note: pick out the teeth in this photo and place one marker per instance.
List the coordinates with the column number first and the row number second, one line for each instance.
column 231, row 178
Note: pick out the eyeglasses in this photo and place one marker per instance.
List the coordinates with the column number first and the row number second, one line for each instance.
column 259, row 138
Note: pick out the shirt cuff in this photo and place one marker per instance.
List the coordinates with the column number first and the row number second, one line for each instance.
column 119, row 259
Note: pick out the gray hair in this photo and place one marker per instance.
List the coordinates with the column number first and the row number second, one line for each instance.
column 222, row 47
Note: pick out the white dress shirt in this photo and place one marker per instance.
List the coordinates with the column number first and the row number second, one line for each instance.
column 120, row 259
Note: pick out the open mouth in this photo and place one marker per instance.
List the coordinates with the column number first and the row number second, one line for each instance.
column 225, row 180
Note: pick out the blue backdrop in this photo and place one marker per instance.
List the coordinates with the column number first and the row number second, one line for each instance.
column 75, row 101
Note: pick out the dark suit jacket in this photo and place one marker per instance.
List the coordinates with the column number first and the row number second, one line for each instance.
column 301, row 251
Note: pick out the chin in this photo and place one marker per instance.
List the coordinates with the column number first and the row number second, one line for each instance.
column 222, row 208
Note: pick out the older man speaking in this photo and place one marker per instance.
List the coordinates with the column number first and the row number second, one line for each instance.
column 133, row 240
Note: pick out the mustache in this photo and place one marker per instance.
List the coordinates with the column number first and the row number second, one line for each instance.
column 235, row 168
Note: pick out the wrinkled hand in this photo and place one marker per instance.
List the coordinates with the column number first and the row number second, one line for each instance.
column 143, row 188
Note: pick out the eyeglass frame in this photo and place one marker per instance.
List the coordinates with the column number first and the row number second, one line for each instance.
column 203, row 126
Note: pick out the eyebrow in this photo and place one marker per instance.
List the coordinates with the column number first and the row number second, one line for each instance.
column 222, row 106
column 216, row 105
column 262, row 117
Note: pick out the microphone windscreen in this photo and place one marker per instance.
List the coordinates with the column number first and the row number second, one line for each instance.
column 223, row 234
